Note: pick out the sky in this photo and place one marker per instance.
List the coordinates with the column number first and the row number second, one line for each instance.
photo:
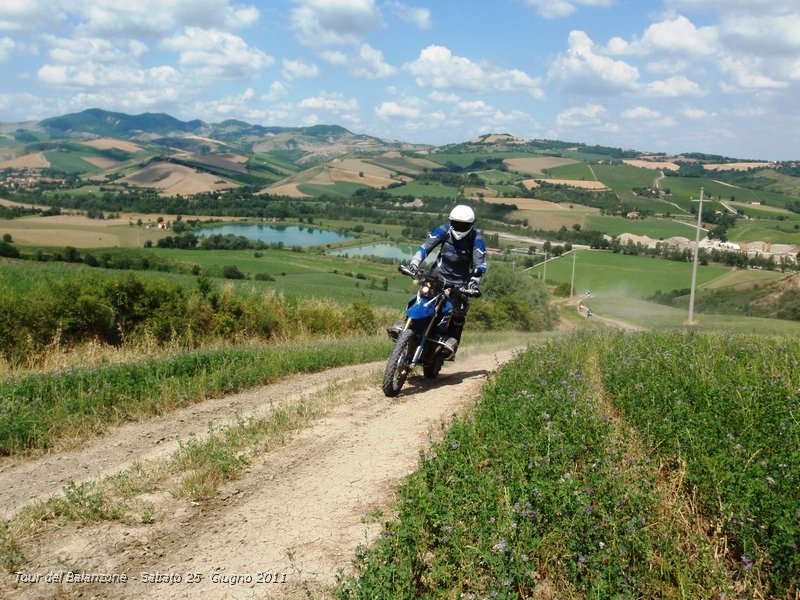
column 674, row 76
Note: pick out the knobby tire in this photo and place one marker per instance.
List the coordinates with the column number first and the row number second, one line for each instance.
column 397, row 365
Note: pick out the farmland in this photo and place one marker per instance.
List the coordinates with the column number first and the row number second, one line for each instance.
column 575, row 461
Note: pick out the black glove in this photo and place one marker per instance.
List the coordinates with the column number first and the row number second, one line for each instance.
column 413, row 267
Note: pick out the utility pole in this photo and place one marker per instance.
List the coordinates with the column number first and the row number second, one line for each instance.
column 572, row 283
column 696, row 252
column 544, row 274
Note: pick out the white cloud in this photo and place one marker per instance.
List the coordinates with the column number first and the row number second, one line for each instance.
column 327, row 22
column 553, row 9
column 745, row 76
column 104, row 76
column 335, row 102
column 583, row 70
column 80, row 50
column 419, row 17
column 439, row 69
column 216, row 54
column 394, row 110
column 29, row 15
column 675, row 36
column 335, row 57
column 673, row 87
column 580, row 116
column 439, row 96
column 275, row 92
column 696, row 114
column 762, row 35
column 160, row 17
column 6, row 46
column 294, row 69
column 639, row 113
column 369, row 63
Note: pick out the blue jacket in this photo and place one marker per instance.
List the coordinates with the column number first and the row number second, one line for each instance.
column 458, row 260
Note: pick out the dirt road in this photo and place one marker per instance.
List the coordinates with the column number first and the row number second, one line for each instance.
column 282, row 530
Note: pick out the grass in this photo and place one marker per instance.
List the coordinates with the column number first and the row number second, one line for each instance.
column 539, row 493
column 612, row 274
column 655, row 228
column 47, row 410
column 196, row 471
column 550, row 488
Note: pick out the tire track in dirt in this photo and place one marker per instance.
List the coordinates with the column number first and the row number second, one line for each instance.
column 297, row 513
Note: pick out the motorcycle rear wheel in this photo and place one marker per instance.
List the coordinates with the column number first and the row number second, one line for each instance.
column 432, row 371
column 397, row 365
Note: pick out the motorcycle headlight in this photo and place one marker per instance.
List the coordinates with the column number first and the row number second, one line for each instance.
column 425, row 290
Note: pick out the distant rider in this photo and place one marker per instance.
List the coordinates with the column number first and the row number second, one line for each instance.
column 461, row 262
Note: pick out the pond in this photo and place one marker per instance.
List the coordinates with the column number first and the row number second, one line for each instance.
column 290, row 235
column 380, row 249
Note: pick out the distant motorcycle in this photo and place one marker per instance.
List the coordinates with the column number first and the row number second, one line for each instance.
column 417, row 340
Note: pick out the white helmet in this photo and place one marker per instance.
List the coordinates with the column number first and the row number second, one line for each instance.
column 461, row 221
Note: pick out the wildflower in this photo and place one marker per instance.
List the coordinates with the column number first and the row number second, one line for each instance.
column 500, row 546
column 581, row 561
column 602, row 545
column 454, row 445
column 770, row 480
column 747, row 562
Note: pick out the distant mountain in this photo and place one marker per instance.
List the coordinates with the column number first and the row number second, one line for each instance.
column 318, row 141
column 119, row 125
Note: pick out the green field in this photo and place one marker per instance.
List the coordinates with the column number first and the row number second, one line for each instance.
column 423, row 189
column 345, row 189
column 580, row 171
column 655, row 228
column 608, row 274
column 652, row 465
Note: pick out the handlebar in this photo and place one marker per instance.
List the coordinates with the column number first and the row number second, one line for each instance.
column 469, row 292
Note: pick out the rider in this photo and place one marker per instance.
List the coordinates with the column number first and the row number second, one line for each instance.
column 461, row 262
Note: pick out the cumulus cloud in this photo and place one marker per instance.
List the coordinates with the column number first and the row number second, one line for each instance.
column 6, row 46
column 696, row 114
column 157, row 17
column 764, row 35
column 439, row 69
column 276, row 91
column 334, row 102
column 29, row 15
column 329, row 22
column 395, row 110
column 580, row 116
column 294, row 69
column 217, row 54
column 583, row 70
column 745, row 75
column 553, row 9
column 364, row 61
column 108, row 76
column 369, row 63
column 677, row 36
column 673, row 87
column 93, row 49
column 419, row 17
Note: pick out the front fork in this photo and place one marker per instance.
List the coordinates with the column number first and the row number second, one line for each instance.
column 426, row 334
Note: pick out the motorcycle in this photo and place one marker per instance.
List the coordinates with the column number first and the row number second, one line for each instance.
column 427, row 316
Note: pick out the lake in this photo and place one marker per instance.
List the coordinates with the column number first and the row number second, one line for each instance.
column 380, row 249
column 290, row 235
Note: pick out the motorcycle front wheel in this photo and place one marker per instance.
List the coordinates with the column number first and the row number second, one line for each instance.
column 397, row 366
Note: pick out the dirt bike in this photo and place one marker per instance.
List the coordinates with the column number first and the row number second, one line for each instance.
column 417, row 342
